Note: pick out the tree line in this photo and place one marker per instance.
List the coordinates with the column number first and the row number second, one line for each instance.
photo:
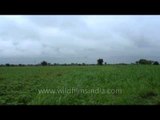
column 100, row 62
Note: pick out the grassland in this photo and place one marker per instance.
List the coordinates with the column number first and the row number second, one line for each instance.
column 138, row 85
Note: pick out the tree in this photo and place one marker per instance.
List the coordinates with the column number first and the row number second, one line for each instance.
column 100, row 61
column 49, row 64
column 7, row 64
column 156, row 63
column 44, row 63
column 144, row 61
column 20, row 65
column 83, row 64
column 55, row 64
column 105, row 63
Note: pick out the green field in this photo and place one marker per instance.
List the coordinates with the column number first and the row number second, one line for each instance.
column 80, row 85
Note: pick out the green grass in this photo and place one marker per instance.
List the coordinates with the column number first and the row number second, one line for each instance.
column 137, row 85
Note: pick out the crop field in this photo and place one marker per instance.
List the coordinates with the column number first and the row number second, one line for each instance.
column 80, row 85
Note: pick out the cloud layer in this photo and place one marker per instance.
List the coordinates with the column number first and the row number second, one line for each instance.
column 60, row 39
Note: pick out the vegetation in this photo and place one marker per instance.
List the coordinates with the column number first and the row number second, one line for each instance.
column 44, row 63
column 100, row 61
column 136, row 84
column 145, row 62
column 156, row 63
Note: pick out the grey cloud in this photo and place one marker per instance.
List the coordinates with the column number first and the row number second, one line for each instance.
column 78, row 38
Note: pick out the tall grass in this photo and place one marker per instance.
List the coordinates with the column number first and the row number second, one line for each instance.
column 80, row 85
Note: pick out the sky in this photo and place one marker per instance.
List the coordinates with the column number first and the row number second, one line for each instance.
column 30, row 39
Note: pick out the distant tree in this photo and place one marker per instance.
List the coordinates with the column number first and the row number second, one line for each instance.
column 7, row 64
column 64, row 64
column 105, row 63
column 100, row 61
column 20, row 65
column 55, row 64
column 144, row 61
column 156, row 63
column 49, row 64
column 83, row 64
column 12, row 65
column 44, row 63
column 72, row 64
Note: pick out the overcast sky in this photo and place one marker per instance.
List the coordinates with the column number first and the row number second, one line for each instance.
column 66, row 39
